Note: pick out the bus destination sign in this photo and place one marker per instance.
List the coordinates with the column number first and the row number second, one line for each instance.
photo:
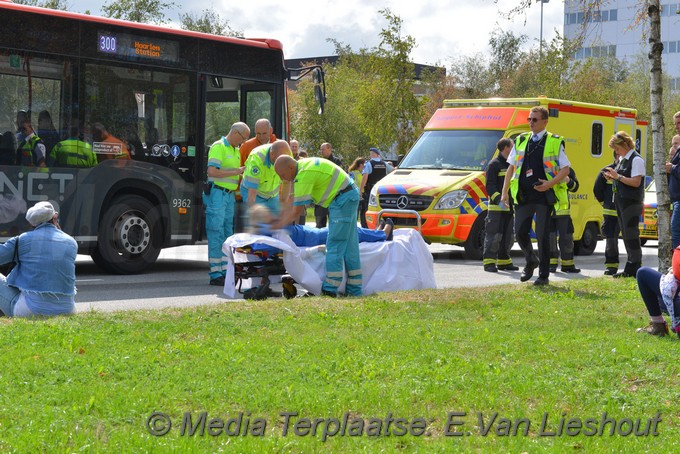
column 131, row 47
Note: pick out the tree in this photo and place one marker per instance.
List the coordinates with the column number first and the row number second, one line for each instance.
column 371, row 98
column 51, row 4
column 145, row 11
column 658, row 133
column 209, row 21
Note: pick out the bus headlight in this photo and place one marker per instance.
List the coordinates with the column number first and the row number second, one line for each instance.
column 451, row 200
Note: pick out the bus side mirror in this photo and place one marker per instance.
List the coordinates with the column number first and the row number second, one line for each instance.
column 320, row 98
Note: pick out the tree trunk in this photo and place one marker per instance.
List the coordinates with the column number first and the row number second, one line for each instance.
column 658, row 129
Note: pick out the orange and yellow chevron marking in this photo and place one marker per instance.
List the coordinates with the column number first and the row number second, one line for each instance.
column 476, row 190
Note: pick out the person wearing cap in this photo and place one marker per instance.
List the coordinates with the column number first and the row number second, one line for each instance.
column 43, row 281
column 324, row 183
column 31, row 150
column 374, row 170
column 223, row 172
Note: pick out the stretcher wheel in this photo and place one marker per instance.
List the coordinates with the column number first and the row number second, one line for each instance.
column 289, row 290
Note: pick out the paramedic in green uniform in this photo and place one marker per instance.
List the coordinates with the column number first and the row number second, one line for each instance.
column 261, row 184
column 73, row 152
column 324, row 183
column 224, row 168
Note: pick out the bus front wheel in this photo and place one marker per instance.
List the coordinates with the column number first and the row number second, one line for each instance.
column 129, row 236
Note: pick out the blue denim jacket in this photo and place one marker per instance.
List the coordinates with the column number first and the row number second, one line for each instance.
column 674, row 179
column 46, row 261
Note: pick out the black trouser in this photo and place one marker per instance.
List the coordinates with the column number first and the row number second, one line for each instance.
column 629, row 219
column 363, row 207
column 524, row 214
column 611, row 230
column 321, row 216
column 563, row 229
column 498, row 241
column 239, row 217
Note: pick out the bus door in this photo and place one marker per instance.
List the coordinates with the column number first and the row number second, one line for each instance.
column 259, row 102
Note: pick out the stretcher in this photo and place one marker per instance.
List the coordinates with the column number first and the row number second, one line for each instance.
column 258, row 264
column 405, row 263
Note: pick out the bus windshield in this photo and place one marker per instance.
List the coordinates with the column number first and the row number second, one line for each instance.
column 457, row 149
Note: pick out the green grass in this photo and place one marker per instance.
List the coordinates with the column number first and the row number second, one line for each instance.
column 90, row 382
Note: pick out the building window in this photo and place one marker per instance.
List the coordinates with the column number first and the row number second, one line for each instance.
column 612, row 50
column 605, row 16
column 612, row 15
column 673, row 47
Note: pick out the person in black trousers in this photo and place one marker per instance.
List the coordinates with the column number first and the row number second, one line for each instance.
column 604, row 193
column 499, row 238
column 629, row 193
column 538, row 166
column 321, row 213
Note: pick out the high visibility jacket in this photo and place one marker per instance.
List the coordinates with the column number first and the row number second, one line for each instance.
column 563, row 205
column 318, row 181
column 31, row 151
column 551, row 155
column 223, row 156
column 74, row 153
column 259, row 173
column 357, row 176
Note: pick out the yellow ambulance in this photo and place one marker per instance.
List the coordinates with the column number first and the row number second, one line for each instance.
column 442, row 177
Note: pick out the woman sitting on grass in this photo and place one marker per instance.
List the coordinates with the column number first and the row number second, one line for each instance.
column 660, row 294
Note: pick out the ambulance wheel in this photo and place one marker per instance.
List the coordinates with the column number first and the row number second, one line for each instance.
column 586, row 245
column 474, row 246
column 129, row 236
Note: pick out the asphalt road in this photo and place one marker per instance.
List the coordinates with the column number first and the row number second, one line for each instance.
column 180, row 278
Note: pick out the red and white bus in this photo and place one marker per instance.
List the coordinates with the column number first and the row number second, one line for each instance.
column 166, row 94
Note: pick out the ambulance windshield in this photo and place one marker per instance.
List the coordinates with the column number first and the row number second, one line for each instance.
column 453, row 149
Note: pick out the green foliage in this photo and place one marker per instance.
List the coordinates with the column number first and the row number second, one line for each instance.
column 145, row 11
column 89, row 383
column 370, row 98
column 210, row 21
column 51, row 4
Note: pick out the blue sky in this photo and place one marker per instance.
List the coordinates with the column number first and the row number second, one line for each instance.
column 442, row 30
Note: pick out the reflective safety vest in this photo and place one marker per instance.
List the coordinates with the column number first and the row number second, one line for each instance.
column 27, row 155
column 563, row 206
column 551, row 156
column 223, row 156
column 74, row 153
column 259, row 173
column 357, row 177
column 318, row 181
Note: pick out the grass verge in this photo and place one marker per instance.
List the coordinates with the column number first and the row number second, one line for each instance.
column 559, row 357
